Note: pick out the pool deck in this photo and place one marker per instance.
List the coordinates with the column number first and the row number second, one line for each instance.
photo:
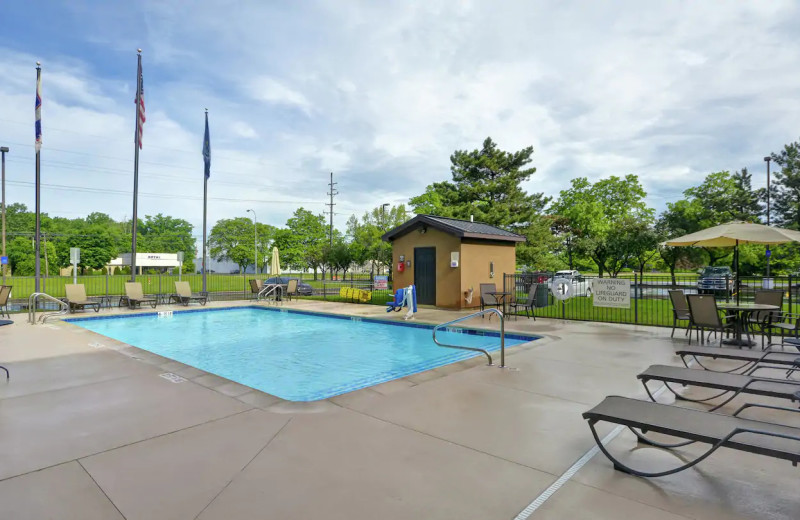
column 91, row 428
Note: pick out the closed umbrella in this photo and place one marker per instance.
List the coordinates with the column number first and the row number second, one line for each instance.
column 275, row 265
column 734, row 233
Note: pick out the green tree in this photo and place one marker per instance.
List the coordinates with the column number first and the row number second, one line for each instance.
column 366, row 244
column 165, row 234
column 302, row 243
column 595, row 212
column 786, row 188
column 232, row 239
column 486, row 184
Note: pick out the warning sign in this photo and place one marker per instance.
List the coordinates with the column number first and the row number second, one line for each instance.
column 611, row 292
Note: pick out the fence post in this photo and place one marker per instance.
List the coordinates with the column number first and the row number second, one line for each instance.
column 159, row 282
column 790, row 295
column 107, row 296
column 324, row 290
column 635, row 298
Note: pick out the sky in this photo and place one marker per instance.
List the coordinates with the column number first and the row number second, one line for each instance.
column 381, row 94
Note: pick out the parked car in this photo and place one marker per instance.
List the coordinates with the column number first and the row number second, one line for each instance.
column 303, row 288
column 716, row 280
column 581, row 286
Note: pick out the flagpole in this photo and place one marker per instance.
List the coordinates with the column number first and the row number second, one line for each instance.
column 136, row 145
column 206, row 172
column 38, row 264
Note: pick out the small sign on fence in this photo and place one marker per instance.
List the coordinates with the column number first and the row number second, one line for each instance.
column 611, row 292
column 3, row 260
column 381, row 283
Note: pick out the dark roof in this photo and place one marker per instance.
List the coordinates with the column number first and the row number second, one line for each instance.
column 454, row 226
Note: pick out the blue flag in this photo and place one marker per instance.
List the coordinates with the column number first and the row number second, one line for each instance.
column 207, row 150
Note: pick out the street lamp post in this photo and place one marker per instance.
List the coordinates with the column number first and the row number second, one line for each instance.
column 255, row 242
column 769, row 253
column 3, row 151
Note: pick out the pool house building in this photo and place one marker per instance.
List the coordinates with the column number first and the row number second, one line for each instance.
column 446, row 257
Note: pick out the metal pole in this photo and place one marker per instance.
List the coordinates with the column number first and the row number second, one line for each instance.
column 37, row 261
column 768, row 159
column 255, row 242
column 3, row 151
column 136, row 145
column 502, row 341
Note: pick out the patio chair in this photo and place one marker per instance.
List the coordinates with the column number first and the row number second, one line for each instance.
column 748, row 358
column 765, row 321
column 135, row 296
column 704, row 315
column 5, row 294
column 733, row 384
column 255, row 287
column 680, row 311
column 529, row 304
column 291, row 289
column 183, row 294
column 488, row 300
column 716, row 429
column 76, row 298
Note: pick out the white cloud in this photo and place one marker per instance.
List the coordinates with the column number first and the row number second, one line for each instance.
column 268, row 89
column 383, row 93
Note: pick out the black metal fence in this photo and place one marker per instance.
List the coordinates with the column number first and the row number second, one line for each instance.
column 220, row 287
column 649, row 296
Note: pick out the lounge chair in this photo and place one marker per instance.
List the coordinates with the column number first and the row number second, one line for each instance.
column 135, row 296
column 680, row 311
column 748, row 357
column 734, row 384
column 76, row 298
column 5, row 293
column 718, row 430
column 488, row 300
column 529, row 304
column 705, row 316
column 183, row 294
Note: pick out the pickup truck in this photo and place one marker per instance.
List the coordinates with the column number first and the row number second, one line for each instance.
column 716, row 280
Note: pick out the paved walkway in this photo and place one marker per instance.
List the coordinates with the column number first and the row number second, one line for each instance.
column 90, row 430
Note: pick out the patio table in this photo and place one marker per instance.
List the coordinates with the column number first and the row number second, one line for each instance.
column 500, row 296
column 742, row 312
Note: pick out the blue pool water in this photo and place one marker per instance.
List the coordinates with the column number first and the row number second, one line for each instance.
column 293, row 355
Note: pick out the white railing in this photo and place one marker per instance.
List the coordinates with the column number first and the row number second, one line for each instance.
column 33, row 300
column 475, row 349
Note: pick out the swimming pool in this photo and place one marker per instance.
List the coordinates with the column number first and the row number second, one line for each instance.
column 298, row 356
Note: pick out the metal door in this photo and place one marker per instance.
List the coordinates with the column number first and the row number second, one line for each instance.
column 425, row 275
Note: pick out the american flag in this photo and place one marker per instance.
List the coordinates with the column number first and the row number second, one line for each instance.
column 140, row 110
column 38, row 124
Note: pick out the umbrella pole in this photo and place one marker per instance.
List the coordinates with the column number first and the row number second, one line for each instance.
column 737, row 287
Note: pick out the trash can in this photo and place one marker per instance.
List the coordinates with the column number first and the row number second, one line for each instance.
column 542, row 298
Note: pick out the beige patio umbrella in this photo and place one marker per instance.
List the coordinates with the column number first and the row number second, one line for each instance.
column 275, row 264
column 734, row 233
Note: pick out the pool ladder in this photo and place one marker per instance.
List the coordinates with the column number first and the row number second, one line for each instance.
column 33, row 300
column 475, row 349
column 270, row 293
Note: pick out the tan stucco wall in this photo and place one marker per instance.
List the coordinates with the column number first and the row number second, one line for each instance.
column 448, row 279
column 475, row 259
column 473, row 269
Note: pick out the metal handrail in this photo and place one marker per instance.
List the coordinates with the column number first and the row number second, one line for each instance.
column 33, row 298
column 475, row 349
column 270, row 290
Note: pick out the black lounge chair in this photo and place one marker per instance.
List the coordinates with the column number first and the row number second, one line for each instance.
column 749, row 357
column 716, row 429
column 135, row 296
column 727, row 383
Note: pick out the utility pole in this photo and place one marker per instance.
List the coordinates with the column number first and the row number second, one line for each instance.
column 3, row 151
column 333, row 191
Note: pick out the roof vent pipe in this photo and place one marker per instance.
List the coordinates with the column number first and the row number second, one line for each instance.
column 472, row 218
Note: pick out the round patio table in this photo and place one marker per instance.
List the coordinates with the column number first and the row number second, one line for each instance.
column 742, row 312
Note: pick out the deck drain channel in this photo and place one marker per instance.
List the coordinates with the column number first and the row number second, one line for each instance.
column 581, row 462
